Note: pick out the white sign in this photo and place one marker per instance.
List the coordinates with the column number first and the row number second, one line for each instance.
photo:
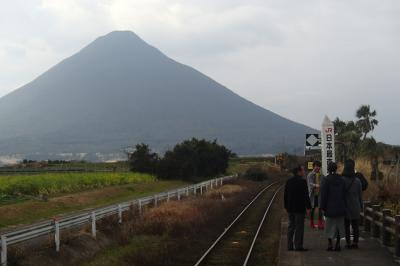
column 328, row 144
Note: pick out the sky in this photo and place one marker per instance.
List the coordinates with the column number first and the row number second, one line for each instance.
column 300, row 59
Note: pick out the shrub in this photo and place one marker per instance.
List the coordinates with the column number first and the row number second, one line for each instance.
column 142, row 160
column 256, row 173
column 194, row 158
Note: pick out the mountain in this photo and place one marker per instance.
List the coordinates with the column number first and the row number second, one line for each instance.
column 119, row 91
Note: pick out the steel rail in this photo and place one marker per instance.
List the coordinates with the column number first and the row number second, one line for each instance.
column 208, row 251
column 260, row 226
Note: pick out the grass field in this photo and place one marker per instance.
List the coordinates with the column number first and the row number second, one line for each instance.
column 57, row 183
column 65, row 166
column 68, row 192
column 33, row 210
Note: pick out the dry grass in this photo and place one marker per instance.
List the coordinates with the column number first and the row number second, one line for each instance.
column 181, row 228
column 386, row 191
column 224, row 191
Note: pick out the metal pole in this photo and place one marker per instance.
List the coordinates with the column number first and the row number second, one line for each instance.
column 187, row 192
column 179, row 194
column 168, row 196
column 201, row 189
column 3, row 251
column 119, row 213
column 57, row 235
column 140, row 206
column 93, row 218
column 155, row 201
column 397, row 171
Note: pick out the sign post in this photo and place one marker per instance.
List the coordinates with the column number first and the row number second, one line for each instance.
column 312, row 150
column 328, row 144
column 313, row 142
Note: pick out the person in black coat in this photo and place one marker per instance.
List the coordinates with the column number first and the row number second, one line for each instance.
column 297, row 202
column 333, row 204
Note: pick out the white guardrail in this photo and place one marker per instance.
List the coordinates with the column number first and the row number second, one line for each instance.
column 90, row 217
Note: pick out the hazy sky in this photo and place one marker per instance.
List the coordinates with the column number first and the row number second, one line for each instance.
column 301, row 59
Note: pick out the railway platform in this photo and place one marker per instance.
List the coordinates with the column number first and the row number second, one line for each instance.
column 370, row 253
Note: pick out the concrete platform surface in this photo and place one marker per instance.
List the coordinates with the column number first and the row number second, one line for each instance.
column 370, row 253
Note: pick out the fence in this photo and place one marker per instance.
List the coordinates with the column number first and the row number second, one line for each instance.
column 90, row 217
column 382, row 225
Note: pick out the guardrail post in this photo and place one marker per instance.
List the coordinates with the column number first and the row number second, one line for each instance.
column 386, row 236
column 211, row 183
column 155, row 200
column 119, row 214
column 194, row 190
column 179, row 194
column 57, row 235
column 140, row 206
column 3, row 251
column 187, row 192
column 376, row 230
column 397, row 236
column 93, row 218
column 168, row 196
column 222, row 181
column 201, row 189
column 362, row 217
column 367, row 222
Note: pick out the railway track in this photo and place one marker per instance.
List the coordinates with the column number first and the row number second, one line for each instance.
column 235, row 245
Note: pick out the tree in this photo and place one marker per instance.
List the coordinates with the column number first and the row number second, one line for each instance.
column 366, row 120
column 142, row 160
column 194, row 158
column 348, row 134
column 372, row 150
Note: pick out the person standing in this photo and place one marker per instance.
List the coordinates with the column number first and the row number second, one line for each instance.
column 313, row 182
column 354, row 203
column 297, row 202
column 333, row 204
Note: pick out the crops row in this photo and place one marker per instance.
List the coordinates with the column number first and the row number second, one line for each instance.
column 55, row 183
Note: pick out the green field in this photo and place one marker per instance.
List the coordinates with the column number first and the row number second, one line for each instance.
column 23, row 211
column 65, row 166
column 52, row 184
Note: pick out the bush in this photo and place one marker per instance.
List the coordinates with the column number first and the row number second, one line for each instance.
column 142, row 160
column 188, row 160
column 194, row 158
column 256, row 173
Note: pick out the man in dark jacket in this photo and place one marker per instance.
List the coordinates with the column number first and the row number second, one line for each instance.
column 333, row 203
column 297, row 202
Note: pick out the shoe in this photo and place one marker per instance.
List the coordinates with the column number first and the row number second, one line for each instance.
column 312, row 225
column 301, row 249
column 321, row 225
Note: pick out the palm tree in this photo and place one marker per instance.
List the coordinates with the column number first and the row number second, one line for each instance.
column 366, row 120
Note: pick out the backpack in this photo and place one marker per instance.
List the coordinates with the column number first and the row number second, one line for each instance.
column 363, row 180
